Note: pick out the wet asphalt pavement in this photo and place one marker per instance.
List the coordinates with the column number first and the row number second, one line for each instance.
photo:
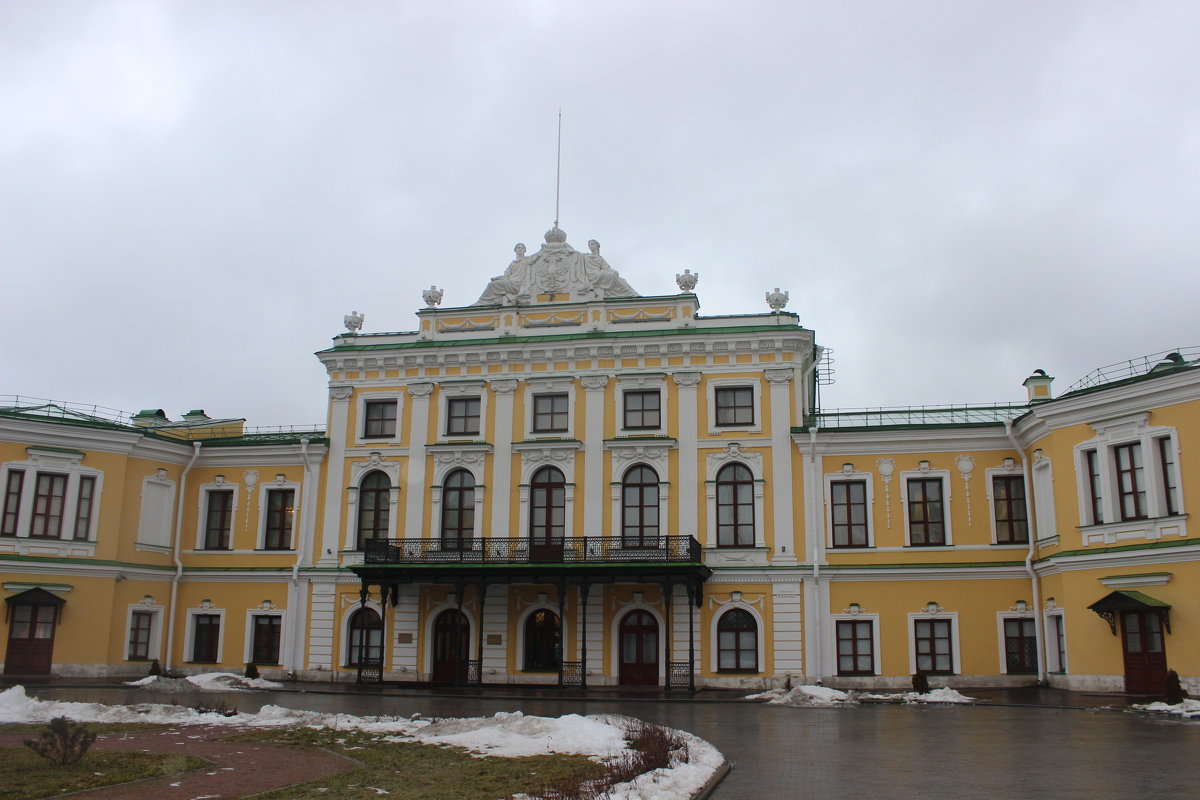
column 867, row 751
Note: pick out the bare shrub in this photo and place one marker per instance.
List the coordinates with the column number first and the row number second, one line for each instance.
column 920, row 682
column 64, row 743
column 651, row 747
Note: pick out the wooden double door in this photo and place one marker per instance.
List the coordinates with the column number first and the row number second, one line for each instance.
column 1145, row 652
column 639, row 649
column 30, row 639
column 451, row 647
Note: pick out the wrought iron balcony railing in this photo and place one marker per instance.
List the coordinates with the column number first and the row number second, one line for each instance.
column 561, row 550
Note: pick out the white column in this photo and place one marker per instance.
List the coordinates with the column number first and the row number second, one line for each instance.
column 495, row 624
column 331, row 533
column 781, row 465
column 593, row 454
column 418, row 433
column 501, row 480
column 404, row 624
column 689, row 493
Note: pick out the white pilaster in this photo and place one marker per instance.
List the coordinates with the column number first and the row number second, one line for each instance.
column 418, row 435
column 788, row 629
column 404, row 624
column 339, row 416
column 501, row 480
column 321, row 638
column 781, row 465
column 689, row 488
column 495, row 624
column 593, row 454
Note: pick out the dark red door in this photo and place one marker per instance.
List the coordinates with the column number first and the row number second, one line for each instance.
column 30, row 640
column 445, row 654
column 1145, row 653
column 639, row 649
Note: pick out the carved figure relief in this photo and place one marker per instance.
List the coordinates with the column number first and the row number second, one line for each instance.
column 558, row 269
column 777, row 299
column 432, row 296
column 354, row 321
column 687, row 281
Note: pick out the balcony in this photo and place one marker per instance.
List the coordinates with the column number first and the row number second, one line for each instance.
column 583, row 550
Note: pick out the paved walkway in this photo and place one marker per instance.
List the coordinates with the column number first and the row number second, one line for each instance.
column 1046, row 743
column 239, row 768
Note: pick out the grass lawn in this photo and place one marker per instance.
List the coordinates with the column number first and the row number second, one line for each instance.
column 24, row 775
column 415, row 771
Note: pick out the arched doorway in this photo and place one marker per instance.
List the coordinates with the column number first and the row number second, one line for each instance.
column 33, row 615
column 366, row 639
column 449, row 624
column 639, row 649
column 547, row 515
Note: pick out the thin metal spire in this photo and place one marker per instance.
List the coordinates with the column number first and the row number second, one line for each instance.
column 558, row 169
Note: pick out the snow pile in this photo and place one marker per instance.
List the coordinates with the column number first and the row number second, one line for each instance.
column 515, row 734
column 808, row 695
column 505, row 734
column 1188, row 709
column 209, row 681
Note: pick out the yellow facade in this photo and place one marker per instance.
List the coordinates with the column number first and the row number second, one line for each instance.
column 593, row 489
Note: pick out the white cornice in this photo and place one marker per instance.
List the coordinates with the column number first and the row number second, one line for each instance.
column 918, row 440
column 927, row 574
column 81, row 568
column 1131, row 398
column 58, row 434
column 1119, row 560
column 256, row 455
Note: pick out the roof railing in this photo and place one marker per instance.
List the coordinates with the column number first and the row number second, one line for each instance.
column 915, row 415
column 1165, row 361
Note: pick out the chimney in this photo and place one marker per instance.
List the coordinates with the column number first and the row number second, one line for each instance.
column 196, row 415
column 1038, row 386
column 150, row 417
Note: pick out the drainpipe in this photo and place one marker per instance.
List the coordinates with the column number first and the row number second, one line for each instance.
column 175, row 553
column 1034, row 581
column 816, row 553
column 290, row 661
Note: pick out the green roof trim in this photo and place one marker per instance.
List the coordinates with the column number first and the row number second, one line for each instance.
column 561, row 337
column 1136, row 575
column 1145, row 599
column 1123, row 548
column 83, row 560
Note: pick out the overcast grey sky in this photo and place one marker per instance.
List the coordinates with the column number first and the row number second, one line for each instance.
column 193, row 194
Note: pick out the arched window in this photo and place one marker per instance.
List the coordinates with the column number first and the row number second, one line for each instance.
column 639, row 508
column 735, row 507
column 374, row 504
column 543, row 641
column 547, row 505
column 458, row 510
column 737, row 641
column 366, row 639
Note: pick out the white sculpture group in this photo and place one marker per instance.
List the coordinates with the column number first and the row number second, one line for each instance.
column 555, row 269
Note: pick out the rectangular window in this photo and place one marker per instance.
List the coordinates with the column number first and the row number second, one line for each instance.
column 140, row 624
column 50, row 494
column 855, row 647
column 83, row 508
column 380, row 419
column 462, row 416
column 926, row 514
column 1166, row 459
column 935, row 654
column 1020, row 647
column 266, row 639
column 848, row 506
column 1008, row 501
column 206, row 637
column 1095, row 491
column 1131, row 481
column 12, row 502
column 218, row 518
column 280, row 512
column 1060, row 640
column 643, row 410
column 735, row 405
column 550, row 413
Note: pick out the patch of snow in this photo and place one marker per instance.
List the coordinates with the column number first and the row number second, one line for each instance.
column 806, row 695
column 209, row 681
column 504, row 734
column 1188, row 709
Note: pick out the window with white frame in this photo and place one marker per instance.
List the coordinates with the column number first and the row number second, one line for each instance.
column 374, row 502
column 641, row 405
column 217, row 507
column 737, row 641
column 934, row 643
column 549, row 407
column 378, row 417
column 1018, row 641
column 204, row 636
column 463, row 410
column 50, row 496
column 926, row 503
column 856, row 646
column 734, row 404
column 1128, row 472
column 144, row 626
column 266, row 634
column 1008, row 504
column 848, row 496
column 278, row 516
column 1056, row 641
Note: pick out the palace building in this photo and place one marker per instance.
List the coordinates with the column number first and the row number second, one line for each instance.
column 568, row 483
